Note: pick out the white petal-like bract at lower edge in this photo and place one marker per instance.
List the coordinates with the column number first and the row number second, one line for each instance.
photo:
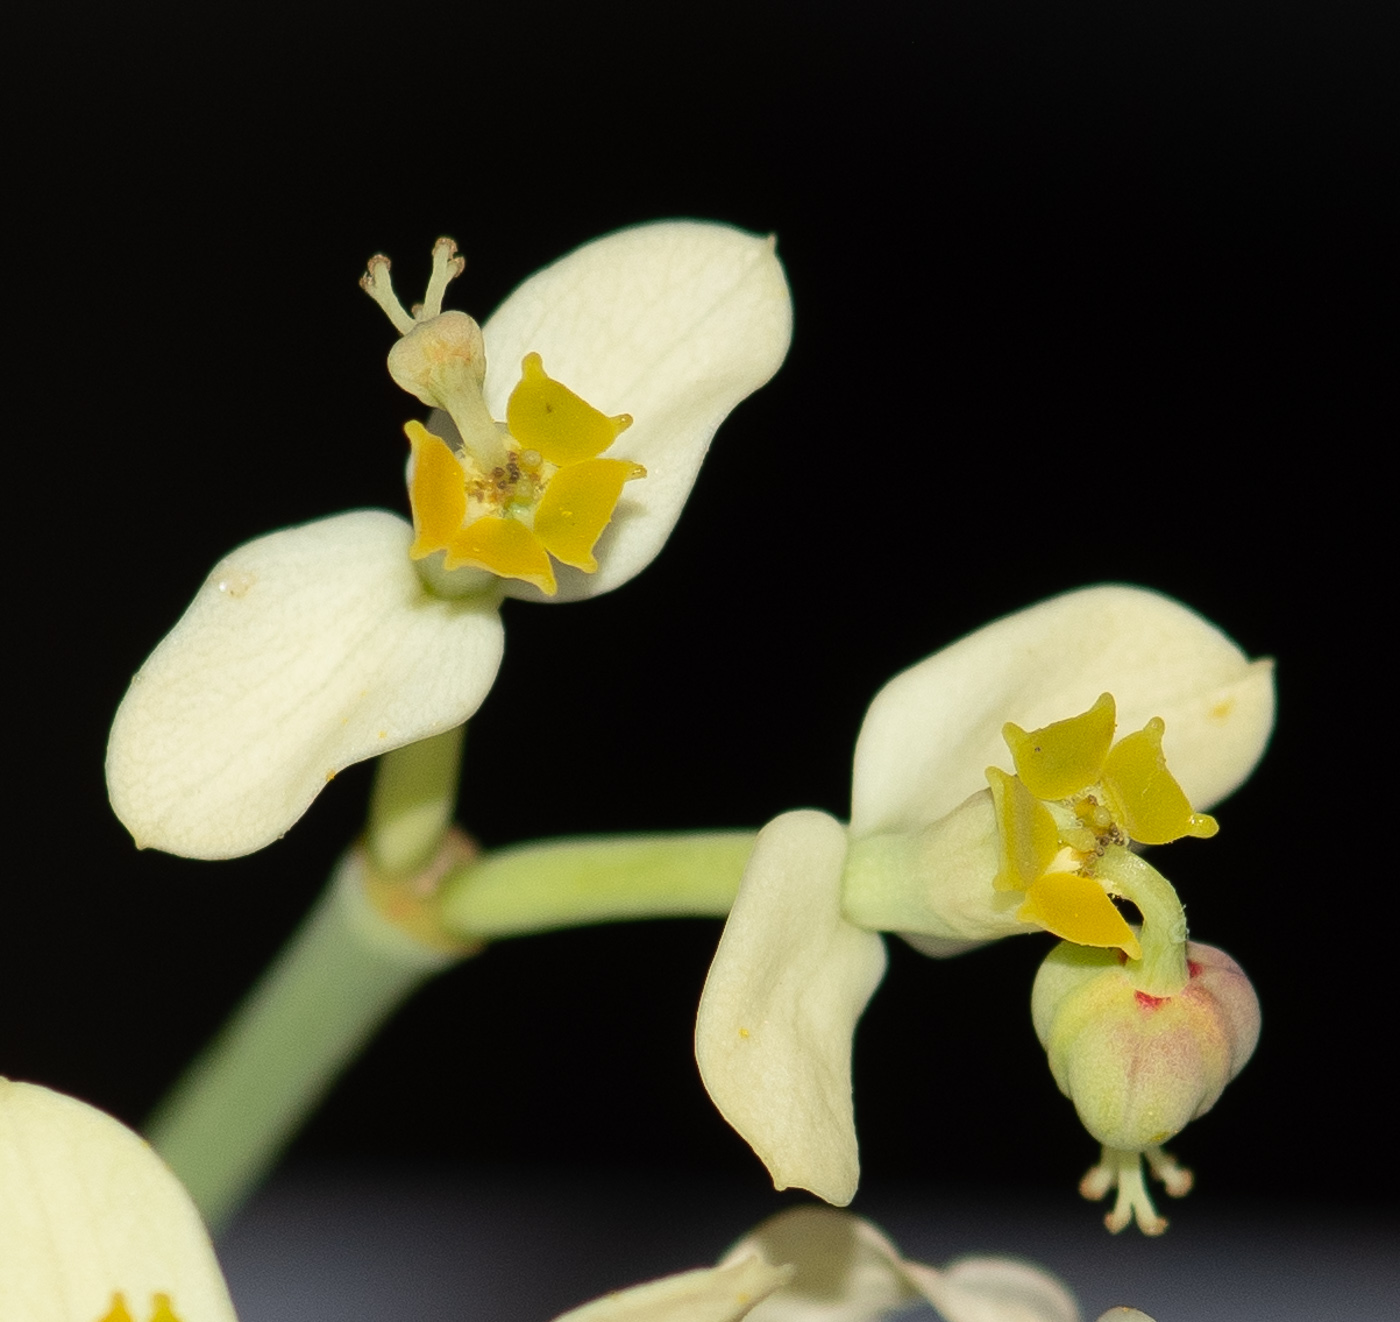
column 847, row 1271
column 304, row 651
column 709, row 1294
column 931, row 732
column 88, row 1210
column 994, row 1290
column 674, row 323
column 788, row 983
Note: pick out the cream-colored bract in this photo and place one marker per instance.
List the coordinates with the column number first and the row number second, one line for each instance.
column 319, row 646
column 708, row 1294
column 773, row 1036
column 919, row 785
column 845, row 1270
column 304, row 651
column 87, row 1211
column 674, row 324
column 813, row 1264
column 932, row 731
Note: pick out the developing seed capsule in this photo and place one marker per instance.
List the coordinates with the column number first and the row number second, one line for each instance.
column 1138, row 1068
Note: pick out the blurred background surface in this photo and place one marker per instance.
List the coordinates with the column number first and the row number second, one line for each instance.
column 447, row 1247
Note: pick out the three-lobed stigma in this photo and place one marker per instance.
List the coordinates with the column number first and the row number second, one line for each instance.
column 509, row 498
column 1075, row 795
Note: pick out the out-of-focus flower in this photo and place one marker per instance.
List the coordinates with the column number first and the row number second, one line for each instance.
column 801, row 953
column 93, row 1226
column 813, row 1264
column 319, row 646
column 1139, row 1067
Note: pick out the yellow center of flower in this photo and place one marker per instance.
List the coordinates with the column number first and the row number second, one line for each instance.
column 549, row 494
column 161, row 1311
column 500, row 497
column 1075, row 795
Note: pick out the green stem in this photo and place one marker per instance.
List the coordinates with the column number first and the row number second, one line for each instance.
column 343, row 973
column 413, row 802
column 567, row 883
column 1162, row 969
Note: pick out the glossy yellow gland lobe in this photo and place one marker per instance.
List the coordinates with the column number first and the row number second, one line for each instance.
column 1060, row 759
column 1144, row 795
column 547, row 416
column 550, row 496
column 1068, row 902
column 1105, row 795
column 161, row 1310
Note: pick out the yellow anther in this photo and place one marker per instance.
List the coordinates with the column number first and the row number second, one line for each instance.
column 1029, row 837
column 548, row 417
column 1093, row 814
column 1080, row 839
column 1145, row 796
column 163, row 1312
column 1076, row 909
column 1061, row 759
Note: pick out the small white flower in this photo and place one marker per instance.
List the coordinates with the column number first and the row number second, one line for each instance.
column 319, row 646
column 801, row 955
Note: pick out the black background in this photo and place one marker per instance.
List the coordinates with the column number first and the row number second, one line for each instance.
column 1097, row 292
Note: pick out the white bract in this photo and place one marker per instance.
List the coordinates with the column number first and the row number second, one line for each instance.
column 93, row 1226
column 801, row 955
column 322, row 645
column 813, row 1264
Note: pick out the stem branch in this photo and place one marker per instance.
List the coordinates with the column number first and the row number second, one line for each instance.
column 545, row 885
column 344, row 972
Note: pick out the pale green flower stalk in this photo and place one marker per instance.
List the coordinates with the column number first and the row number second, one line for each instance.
column 94, row 1227
column 358, row 636
column 950, row 849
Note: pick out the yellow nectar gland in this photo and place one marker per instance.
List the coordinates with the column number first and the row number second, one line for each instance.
column 161, row 1311
column 1075, row 795
column 550, row 496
